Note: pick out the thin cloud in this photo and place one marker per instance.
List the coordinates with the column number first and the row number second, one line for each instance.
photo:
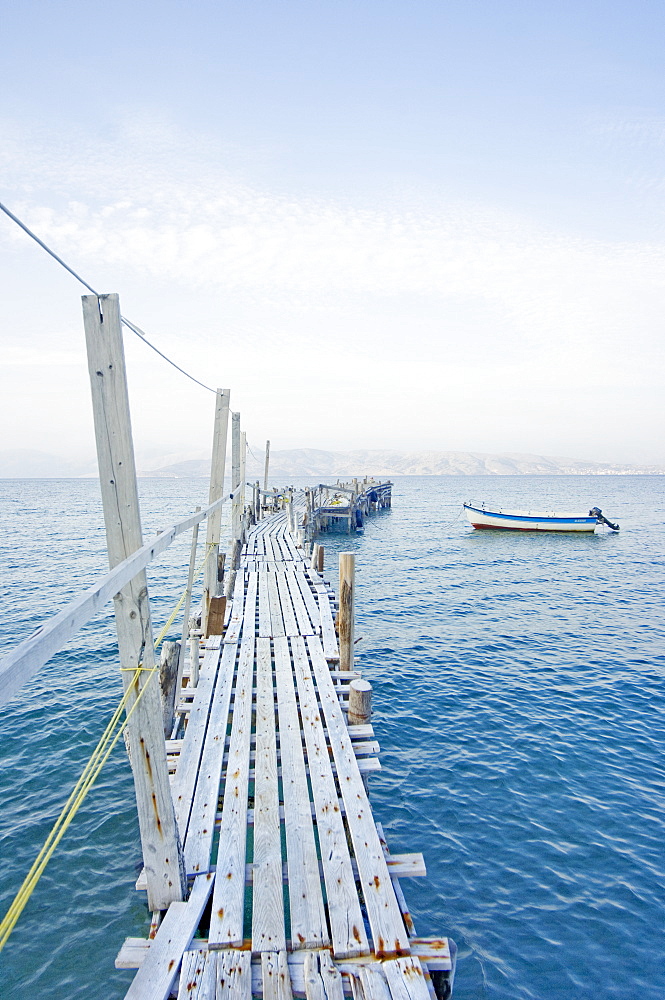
column 449, row 294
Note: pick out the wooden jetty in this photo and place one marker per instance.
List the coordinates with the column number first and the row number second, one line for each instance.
column 267, row 874
column 295, row 891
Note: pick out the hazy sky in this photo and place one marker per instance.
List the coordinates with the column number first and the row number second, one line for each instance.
column 382, row 223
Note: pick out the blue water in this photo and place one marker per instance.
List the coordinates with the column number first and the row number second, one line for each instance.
column 518, row 701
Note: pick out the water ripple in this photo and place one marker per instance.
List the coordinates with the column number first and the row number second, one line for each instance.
column 519, row 705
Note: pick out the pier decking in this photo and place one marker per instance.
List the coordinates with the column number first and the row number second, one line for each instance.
column 294, row 890
column 266, row 872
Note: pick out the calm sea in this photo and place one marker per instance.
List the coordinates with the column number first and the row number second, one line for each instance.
column 518, row 701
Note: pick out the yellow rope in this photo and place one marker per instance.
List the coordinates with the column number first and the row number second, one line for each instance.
column 90, row 773
column 87, row 779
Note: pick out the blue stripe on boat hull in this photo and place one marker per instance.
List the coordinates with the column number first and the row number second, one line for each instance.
column 529, row 522
column 555, row 526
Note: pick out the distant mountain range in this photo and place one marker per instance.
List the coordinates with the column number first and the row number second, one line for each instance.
column 322, row 465
column 30, row 464
column 319, row 465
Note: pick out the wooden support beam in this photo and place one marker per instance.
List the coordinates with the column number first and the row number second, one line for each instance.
column 216, row 614
column 267, row 466
column 188, row 604
column 314, row 560
column 360, row 702
column 211, row 583
column 162, row 853
column 346, row 616
column 194, row 655
column 168, row 679
column 243, row 484
column 235, row 476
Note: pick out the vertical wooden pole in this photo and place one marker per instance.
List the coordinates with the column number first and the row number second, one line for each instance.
column 235, row 477
column 217, row 465
column 345, row 619
column 194, row 656
column 267, row 465
column 243, row 478
column 168, row 677
column 188, row 604
column 360, row 702
column 162, row 853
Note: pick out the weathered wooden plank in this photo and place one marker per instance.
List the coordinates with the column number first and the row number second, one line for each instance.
column 158, row 971
column 288, row 613
column 346, row 923
column 434, row 952
column 399, row 895
column 197, row 975
column 276, row 620
column 373, row 982
column 249, row 616
column 308, row 919
column 201, row 827
column 268, row 898
column 405, row 979
column 186, row 774
column 237, row 609
column 359, row 732
column 264, row 606
column 276, row 980
column 289, row 545
column 328, row 633
column 388, row 931
column 304, row 622
column 310, row 601
column 399, row 865
column 226, row 920
column 276, row 547
column 234, row 975
column 322, row 980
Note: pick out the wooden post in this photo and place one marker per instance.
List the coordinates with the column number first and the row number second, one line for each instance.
column 194, row 656
column 320, row 557
column 235, row 477
column 345, row 619
column 168, row 679
column 234, row 562
column 314, row 561
column 216, row 616
column 243, row 477
column 360, row 702
column 267, row 465
column 188, row 603
column 211, row 585
column 162, row 852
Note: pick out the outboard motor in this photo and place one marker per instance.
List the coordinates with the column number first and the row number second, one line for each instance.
column 599, row 516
